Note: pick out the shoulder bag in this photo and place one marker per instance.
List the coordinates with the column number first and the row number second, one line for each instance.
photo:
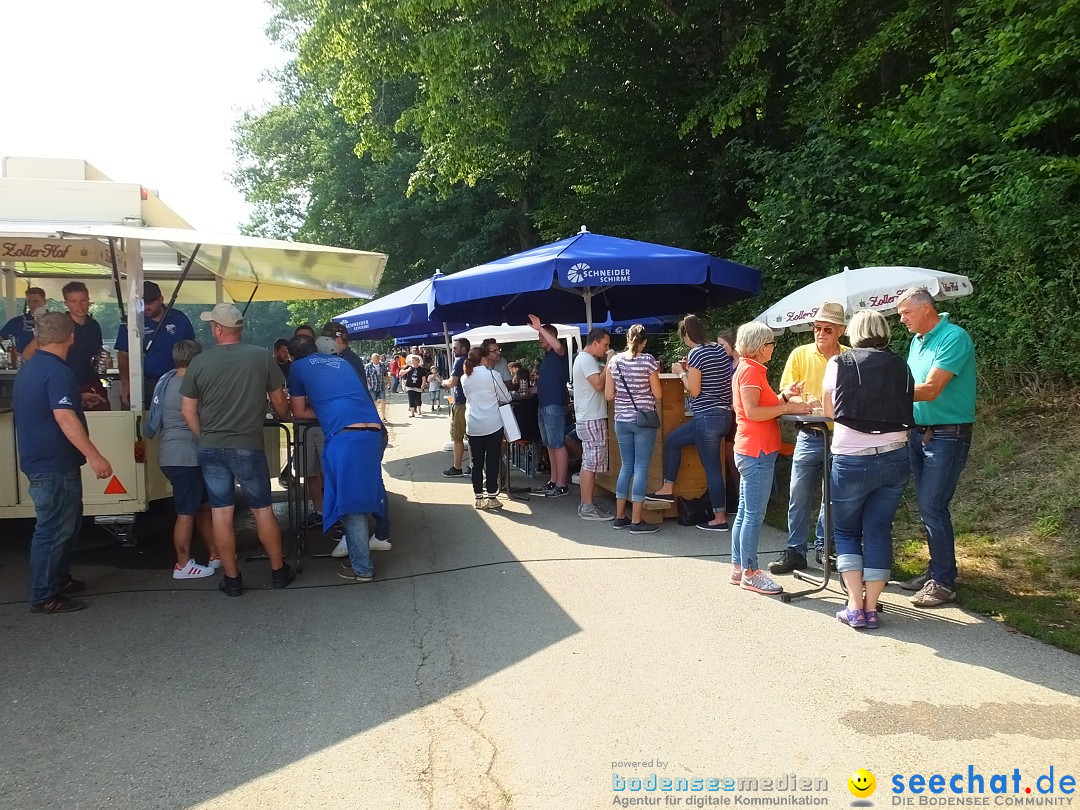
column 506, row 413
column 645, row 419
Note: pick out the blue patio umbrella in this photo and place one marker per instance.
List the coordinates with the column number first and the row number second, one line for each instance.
column 591, row 277
column 399, row 314
column 652, row 325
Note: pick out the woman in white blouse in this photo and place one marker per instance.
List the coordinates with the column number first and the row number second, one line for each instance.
column 484, row 392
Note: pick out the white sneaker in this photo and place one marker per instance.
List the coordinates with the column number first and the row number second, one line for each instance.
column 192, row 570
column 341, row 549
column 375, row 544
column 215, row 562
column 575, row 478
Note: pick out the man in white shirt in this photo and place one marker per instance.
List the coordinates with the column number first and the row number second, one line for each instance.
column 590, row 410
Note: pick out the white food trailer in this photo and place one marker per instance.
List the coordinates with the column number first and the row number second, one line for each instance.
column 62, row 220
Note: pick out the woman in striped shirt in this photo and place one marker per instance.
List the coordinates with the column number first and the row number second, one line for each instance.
column 633, row 382
column 706, row 377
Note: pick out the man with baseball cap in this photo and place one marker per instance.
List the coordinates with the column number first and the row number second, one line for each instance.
column 224, row 397
column 806, row 364
column 160, row 332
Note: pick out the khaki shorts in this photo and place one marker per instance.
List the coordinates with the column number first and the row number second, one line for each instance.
column 313, row 447
column 457, row 423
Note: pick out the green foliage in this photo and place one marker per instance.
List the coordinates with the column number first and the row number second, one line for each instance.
column 798, row 136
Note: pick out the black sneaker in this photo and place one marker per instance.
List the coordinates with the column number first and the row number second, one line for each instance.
column 454, row 472
column 788, row 561
column 314, row 519
column 620, row 523
column 58, row 604
column 546, row 489
column 232, row 586
column 282, row 577
column 558, row 492
column 644, row 528
column 71, row 585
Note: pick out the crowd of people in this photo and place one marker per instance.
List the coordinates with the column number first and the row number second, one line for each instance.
column 891, row 421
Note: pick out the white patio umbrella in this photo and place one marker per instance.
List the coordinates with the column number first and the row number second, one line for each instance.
column 875, row 288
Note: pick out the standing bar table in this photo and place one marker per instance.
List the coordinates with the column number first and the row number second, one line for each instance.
column 820, row 424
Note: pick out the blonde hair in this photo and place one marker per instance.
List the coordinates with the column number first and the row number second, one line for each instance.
column 635, row 339
column 869, row 329
column 752, row 338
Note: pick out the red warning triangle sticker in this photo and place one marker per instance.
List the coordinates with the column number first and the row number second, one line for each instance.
column 115, row 487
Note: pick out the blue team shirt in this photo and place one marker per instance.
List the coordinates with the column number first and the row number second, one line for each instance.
column 158, row 360
column 338, row 395
column 21, row 330
column 45, row 384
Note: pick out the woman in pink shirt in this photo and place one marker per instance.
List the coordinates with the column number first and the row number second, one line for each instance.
column 757, row 444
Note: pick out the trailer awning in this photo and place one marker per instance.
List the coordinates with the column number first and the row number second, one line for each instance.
column 273, row 268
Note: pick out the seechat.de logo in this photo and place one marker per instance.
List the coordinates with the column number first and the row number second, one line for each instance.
column 576, row 273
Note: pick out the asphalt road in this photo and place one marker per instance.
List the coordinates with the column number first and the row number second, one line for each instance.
column 516, row 659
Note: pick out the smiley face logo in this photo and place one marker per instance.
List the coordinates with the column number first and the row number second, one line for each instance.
column 861, row 783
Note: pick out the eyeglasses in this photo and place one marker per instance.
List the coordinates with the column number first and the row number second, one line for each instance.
column 825, row 330
column 770, row 343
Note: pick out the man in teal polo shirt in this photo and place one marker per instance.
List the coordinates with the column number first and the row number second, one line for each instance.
column 942, row 362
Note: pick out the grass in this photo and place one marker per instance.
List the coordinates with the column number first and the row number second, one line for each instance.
column 1017, row 518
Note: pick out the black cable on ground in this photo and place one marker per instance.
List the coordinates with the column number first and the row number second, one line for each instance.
column 406, row 576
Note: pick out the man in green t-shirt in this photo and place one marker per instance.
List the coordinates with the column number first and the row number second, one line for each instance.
column 942, row 363
column 224, row 403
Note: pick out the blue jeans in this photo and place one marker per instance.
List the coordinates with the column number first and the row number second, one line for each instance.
column 636, row 448
column 224, row 467
column 807, row 464
column 866, row 492
column 706, row 433
column 356, row 538
column 755, row 486
column 937, row 467
column 58, row 505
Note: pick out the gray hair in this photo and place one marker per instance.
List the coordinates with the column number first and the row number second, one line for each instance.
column 869, row 329
column 752, row 338
column 54, row 328
column 916, row 295
column 184, row 352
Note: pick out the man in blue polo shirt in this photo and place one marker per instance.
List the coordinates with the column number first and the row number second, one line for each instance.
column 352, row 455
column 50, row 431
column 21, row 327
column 157, row 343
column 942, row 362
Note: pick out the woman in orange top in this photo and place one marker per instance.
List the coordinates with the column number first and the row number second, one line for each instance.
column 757, row 444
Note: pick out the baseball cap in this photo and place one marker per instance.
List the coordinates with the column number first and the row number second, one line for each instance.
column 150, row 291
column 325, row 344
column 225, row 315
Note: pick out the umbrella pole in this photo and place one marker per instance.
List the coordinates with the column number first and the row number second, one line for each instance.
column 588, row 308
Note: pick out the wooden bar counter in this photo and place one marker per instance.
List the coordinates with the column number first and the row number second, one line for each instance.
column 691, row 480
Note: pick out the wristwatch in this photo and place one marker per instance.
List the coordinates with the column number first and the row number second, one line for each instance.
column 682, row 375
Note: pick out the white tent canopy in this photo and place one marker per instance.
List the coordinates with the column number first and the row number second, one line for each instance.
column 522, row 334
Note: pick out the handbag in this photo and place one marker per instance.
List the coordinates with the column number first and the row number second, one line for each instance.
column 693, row 511
column 506, row 413
column 645, row 419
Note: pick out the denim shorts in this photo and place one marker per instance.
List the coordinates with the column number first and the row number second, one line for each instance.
column 377, row 395
column 553, row 426
column 188, row 490
column 223, row 468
